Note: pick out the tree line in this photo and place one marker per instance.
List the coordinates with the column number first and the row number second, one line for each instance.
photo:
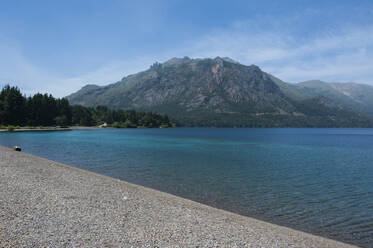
column 45, row 110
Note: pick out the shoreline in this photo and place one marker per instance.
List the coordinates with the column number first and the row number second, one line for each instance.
column 36, row 129
column 53, row 204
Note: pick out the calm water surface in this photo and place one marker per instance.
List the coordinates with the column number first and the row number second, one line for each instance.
column 316, row 180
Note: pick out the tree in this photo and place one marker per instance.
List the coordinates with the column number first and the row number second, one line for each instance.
column 64, row 112
column 45, row 110
column 13, row 106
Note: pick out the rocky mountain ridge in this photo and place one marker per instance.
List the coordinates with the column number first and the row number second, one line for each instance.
column 223, row 92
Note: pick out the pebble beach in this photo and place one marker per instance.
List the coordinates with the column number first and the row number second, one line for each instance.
column 48, row 204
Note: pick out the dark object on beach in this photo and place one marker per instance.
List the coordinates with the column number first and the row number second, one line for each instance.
column 17, row 148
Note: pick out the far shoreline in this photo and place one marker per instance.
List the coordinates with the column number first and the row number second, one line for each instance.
column 72, row 128
column 41, row 129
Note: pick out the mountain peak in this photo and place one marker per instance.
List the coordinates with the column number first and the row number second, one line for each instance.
column 207, row 84
column 227, row 59
column 177, row 61
column 221, row 92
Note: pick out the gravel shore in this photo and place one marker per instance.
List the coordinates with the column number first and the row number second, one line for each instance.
column 48, row 204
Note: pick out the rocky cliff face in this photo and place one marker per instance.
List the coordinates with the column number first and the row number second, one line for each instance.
column 213, row 84
column 216, row 91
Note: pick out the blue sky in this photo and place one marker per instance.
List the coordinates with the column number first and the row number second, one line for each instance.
column 59, row 46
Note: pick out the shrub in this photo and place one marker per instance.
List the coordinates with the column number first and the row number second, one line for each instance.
column 115, row 125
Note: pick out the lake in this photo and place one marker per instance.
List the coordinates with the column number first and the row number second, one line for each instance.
column 315, row 180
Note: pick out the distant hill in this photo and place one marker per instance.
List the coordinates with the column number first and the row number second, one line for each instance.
column 358, row 97
column 222, row 92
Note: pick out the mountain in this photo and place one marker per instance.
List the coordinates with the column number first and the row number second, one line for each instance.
column 353, row 96
column 291, row 90
column 358, row 97
column 219, row 92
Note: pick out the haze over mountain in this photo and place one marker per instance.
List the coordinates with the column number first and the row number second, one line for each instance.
column 358, row 97
column 223, row 92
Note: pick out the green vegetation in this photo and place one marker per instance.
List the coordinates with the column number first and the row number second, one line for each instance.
column 11, row 128
column 45, row 110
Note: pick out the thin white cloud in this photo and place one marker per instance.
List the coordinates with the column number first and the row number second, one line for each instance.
column 16, row 70
column 338, row 55
column 343, row 55
column 107, row 74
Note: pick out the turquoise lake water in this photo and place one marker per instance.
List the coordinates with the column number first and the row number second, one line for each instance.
column 316, row 180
